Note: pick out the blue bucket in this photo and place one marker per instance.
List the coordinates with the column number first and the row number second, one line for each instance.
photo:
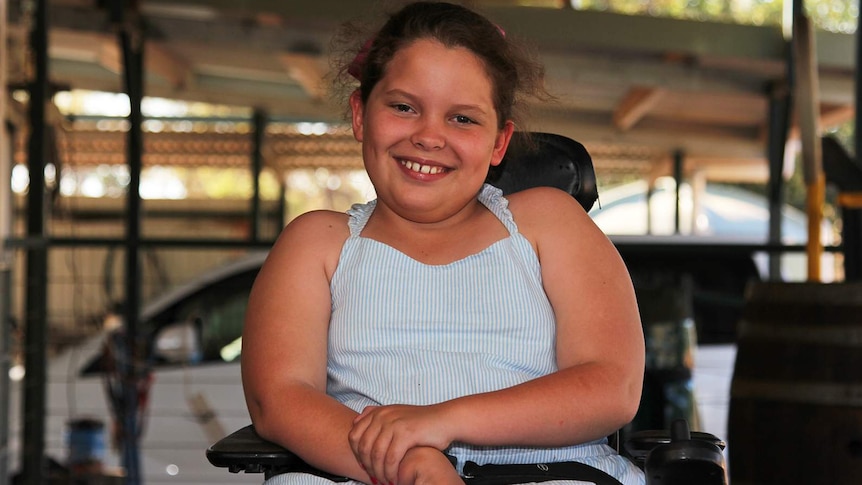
column 86, row 442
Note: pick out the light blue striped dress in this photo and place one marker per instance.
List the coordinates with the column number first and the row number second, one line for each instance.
column 404, row 332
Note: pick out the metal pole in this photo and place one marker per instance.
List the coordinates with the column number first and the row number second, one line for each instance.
column 649, row 217
column 780, row 109
column 6, row 264
column 852, row 217
column 6, row 257
column 779, row 120
column 133, row 72
column 259, row 120
column 677, row 177
column 282, row 206
column 35, row 338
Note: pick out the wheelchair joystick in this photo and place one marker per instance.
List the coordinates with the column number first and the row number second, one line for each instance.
column 679, row 430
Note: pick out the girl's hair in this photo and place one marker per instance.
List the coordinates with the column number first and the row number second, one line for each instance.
column 513, row 71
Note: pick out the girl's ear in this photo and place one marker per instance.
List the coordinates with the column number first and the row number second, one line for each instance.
column 501, row 143
column 356, row 107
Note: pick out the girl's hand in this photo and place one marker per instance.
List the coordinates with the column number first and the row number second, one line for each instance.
column 427, row 466
column 383, row 435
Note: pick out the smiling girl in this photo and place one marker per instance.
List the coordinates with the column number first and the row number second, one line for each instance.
column 442, row 327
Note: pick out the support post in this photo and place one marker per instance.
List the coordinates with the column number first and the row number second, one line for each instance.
column 852, row 215
column 131, row 42
column 808, row 109
column 35, row 337
column 678, row 160
column 779, row 120
column 6, row 255
column 259, row 120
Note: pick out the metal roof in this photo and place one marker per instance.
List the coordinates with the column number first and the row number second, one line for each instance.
column 625, row 84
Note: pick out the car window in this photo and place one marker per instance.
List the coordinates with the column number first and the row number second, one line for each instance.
column 222, row 327
column 218, row 310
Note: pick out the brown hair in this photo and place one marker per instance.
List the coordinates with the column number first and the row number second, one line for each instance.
column 513, row 71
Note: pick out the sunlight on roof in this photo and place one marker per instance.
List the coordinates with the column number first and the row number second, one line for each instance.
column 108, row 112
column 313, row 128
column 98, row 103
column 831, row 15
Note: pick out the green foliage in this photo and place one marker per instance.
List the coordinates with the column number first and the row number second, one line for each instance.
column 844, row 134
column 832, row 15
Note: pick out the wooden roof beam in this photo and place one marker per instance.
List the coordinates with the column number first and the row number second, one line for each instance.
column 306, row 70
column 636, row 104
column 158, row 59
column 165, row 62
column 830, row 116
column 104, row 49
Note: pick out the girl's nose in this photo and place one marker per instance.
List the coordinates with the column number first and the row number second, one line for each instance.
column 429, row 136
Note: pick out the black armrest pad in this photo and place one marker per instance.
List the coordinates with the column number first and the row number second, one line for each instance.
column 639, row 445
column 679, row 456
column 244, row 450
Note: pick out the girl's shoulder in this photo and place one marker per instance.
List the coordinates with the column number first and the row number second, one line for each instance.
column 319, row 225
column 314, row 236
column 549, row 215
column 544, row 204
column 316, row 218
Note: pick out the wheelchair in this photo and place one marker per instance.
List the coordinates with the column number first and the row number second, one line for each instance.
column 676, row 456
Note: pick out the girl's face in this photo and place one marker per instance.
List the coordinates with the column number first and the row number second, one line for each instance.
column 429, row 131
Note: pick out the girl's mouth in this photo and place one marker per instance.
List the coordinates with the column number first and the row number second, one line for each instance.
column 420, row 168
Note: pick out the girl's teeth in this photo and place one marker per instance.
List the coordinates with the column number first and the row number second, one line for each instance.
column 425, row 169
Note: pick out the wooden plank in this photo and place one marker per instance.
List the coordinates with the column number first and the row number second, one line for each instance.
column 635, row 105
column 165, row 62
column 808, row 112
column 308, row 71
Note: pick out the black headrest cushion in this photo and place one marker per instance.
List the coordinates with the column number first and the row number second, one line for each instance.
column 545, row 159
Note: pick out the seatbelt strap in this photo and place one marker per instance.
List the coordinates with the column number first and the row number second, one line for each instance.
column 540, row 472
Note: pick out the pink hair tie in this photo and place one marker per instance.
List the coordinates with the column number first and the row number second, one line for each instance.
column 358, row 62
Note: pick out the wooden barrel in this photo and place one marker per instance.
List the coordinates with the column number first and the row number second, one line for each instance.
column 796, row 394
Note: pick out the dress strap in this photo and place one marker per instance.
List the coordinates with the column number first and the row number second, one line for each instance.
column 493, row 199
column 490, row 196
column 359, row 215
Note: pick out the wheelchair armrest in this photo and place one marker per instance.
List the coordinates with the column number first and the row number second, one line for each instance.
column 244, row 450
column 678, row 457
column 640, row 443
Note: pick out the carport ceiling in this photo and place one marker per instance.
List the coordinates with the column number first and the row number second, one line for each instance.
column 657, row 84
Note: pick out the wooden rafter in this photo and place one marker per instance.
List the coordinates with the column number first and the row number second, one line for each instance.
column 306, row 70
column 830, row 116
column 105, row 50
column 808, row 113
column 165, row 62
column 635, row 105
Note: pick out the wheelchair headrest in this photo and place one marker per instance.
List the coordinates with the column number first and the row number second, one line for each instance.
column 545, row 159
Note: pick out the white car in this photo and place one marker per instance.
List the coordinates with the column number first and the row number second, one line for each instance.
column 195, row 396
